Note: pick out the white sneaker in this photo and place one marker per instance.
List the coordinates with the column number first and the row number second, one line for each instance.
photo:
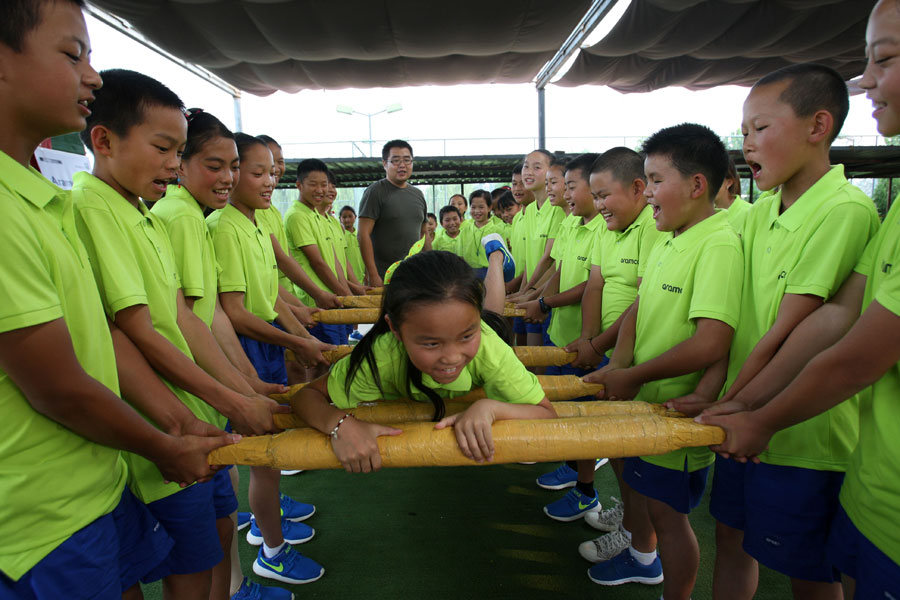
column 609, row 519
column 604, row 547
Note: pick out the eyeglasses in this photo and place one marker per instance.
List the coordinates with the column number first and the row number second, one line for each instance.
column 401, row 161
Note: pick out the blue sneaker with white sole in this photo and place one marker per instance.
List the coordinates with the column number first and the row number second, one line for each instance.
column 251, row 590
column 288, row 566
column 624, row 568
column 294, row 533
column 573, row 505
column 355, row 337
column 493, row 242
column 295, row 511
column 564, row 476
column 243, row 519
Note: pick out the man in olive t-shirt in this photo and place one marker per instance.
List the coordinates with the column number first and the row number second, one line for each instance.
column 392, row 214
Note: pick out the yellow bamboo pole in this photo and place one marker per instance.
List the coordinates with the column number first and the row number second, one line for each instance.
column 544, row 440
column 360, row 301
column 351, row 316
column 404, row 411
column 376, row 291
column 531, row 356
column 557, row 387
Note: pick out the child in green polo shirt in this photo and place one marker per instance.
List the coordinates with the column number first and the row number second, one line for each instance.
column 339, row 240
column 517, row 242
column 354, row 256
column 801, row 240
column 729, row 198
column 136, row 132
column 681, row 324
column 470, row 245
column 65, row 480
column 864, row 541
column 248, row 284
column 448, row 238
column 431, row 342
column 617, row 264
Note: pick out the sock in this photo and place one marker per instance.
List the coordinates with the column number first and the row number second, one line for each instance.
column 269, row 552
column 572, row 465
column 645, row 558
column 627, row 534
column 586, row 488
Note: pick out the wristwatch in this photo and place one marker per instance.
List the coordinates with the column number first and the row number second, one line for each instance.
column 544, row 308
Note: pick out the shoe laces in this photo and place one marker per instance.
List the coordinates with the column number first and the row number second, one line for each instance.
column 613, row 514
column 611, row 543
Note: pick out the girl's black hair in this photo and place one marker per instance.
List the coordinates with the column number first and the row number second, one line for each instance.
column 481, row 194
column 424, row 278
column 244, row 142
column 202, row 129
column 347, row 207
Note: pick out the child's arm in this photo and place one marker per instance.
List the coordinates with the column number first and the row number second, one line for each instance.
column 341, row 277
column 246, row 323
column 532, row 308
column 591, row 320
column 793, row 309
column 68, row 395
column 293, row 271
column 473, row 426
column 364, row 235
column 623, row 355
column 356, row 287
column 355, row 444
column 249, row 413
column 227, row 339
column 302, row 313
column 708, row 345
column 859, row 359
column 543, row 264
column 321, row 268
column 706, row 393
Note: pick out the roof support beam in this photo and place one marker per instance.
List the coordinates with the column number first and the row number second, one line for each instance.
column 124, row 27
column 593, row 16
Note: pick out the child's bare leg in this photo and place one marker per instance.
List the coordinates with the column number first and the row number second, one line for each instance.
column 678, row 549
column 237, row 573
column 636, row 520
column 736, row 574
column 494, row 288
column 191, row 586
column 265, row 505
column 220, row 588
column 586, row 470
column 816, row 590
column 133, row 593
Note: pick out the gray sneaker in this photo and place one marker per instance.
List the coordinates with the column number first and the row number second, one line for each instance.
column 609, row 519
column 604, row 547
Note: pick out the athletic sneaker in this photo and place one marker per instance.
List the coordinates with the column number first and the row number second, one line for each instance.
column 623, row 568
column 355, row 337
column 295, row 511
column 244, row 519
column 564, row 476
column 250, row 590
column 288, row 473
column 288, row 566
column 604, row 547
column 294, row 533
column 493, row 242
column 609, row 519
column 572, row 506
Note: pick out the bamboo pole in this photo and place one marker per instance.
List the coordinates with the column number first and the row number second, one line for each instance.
column 352, row 316
column 544, row 440
column 531, row 356
column 557, row 387
column 360, row 301
column 390, row 412
column 376, row 291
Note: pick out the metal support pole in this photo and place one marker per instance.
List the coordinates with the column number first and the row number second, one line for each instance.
column 542, row 124
column 370, row 135
column 238, row 120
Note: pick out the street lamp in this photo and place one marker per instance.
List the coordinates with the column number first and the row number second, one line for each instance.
column 347, row 110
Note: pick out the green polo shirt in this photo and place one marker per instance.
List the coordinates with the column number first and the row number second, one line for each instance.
column 195, row 256
column 811, row 248
column 442, row 241
column 517, row 241
column 544, row 225
column 871, row 490
column 338, row 243
column 737, row 214
column 354, row 254
column 622, row 258
column 494, row 367
column 270, row 221
column 563, row 233
column 247, row 262
column 565, row 324
column 133, row 264
column 305, row 227
column 696, row 275
column 470, row 243
column 533, row 245
column 53, row 482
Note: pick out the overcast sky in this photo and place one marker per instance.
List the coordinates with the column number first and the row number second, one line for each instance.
column 307, row 123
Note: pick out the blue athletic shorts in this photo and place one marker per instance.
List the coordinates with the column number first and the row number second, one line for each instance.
column 99, row 561
column 852, row 553
column 726, row 496
column 682, row 490
column 189, row 517
column 224, row 500
column 519, row 325
column 329, row 333
column 788, row 512
column 267, row 359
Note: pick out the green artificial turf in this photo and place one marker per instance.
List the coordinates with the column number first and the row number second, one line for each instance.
column 466, row 532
